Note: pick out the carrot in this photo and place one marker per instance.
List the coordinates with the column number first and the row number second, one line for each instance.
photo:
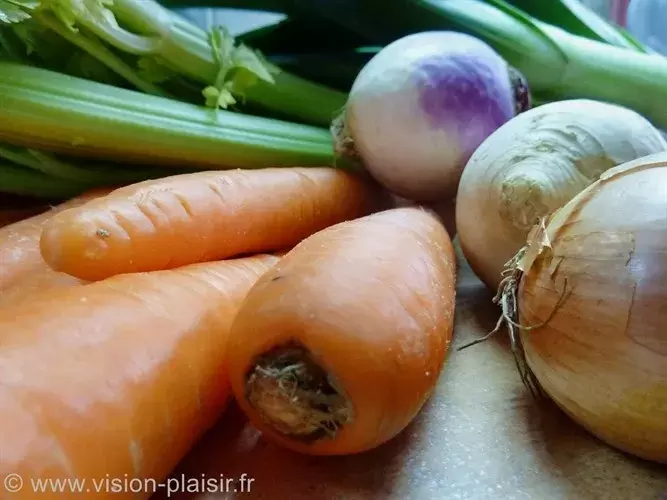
column 444, row 209
column 19, row 243
column 36, row 282
column 117, row 379
column 198, row 217
column 337, row 348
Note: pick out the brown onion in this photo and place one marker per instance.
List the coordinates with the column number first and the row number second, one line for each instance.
column 590, row 293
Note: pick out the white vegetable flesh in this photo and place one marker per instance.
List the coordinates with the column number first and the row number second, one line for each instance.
column 533, row 165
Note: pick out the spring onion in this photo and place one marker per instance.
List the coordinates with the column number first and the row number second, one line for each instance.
column 148, row 45
column 46, row 110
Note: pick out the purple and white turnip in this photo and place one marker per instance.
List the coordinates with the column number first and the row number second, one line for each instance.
column 421, row 106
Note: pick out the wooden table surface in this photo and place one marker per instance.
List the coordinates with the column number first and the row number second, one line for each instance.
column 481, row 436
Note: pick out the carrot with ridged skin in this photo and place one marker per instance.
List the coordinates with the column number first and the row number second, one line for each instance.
column 336, row 349
column 19, row 243
column 203, row 216
column 120, row 377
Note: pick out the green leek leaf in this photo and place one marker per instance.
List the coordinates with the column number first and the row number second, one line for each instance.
column 578, row 19
column 556, row 64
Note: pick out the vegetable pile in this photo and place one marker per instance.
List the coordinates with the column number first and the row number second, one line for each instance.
column 240, row 218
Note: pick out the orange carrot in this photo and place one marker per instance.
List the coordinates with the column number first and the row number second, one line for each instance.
column 204, row 216
column 36, row 282
column 19, row 243
column 337, row 348
column 444, row 209
column 117, row 379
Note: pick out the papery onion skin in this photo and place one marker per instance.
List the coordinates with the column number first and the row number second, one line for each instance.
column 602, row 354
column 533, row 165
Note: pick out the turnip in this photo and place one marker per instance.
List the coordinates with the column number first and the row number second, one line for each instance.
column 534, row 165
column 421, row 106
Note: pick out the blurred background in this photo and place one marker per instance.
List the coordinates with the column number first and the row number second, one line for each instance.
column 646, row 19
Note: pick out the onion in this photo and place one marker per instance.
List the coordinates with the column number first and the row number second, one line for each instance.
column 533, row 165
column 421, row 106
column 590, row 291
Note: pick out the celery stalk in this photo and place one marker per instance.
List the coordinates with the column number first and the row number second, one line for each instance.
column 307, row 101
column 557, row 65
column 93, row 174
column 101, row 52
column 165, row 46
column 27, row 182
column 55, row 112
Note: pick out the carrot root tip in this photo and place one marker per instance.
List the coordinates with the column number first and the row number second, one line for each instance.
column 295, row 396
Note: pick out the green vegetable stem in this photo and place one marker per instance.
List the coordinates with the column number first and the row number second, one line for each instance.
column 151, row 47
column 557, row 64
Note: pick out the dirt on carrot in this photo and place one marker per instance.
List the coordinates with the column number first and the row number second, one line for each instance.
column 204, row 216
column 337, row 348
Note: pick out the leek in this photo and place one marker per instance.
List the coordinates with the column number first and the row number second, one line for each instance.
column 265, row 5
column 336, row 69
column 148, row 45
column 47, row 110
column 288, row 35
column 571, row 15
column 557, row 64
column 576, row 18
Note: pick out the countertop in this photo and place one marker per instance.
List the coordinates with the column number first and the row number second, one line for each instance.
column 481, row 436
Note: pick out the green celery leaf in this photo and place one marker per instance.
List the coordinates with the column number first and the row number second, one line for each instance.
column 72, row 11
column 15, row 11
column 238, row 68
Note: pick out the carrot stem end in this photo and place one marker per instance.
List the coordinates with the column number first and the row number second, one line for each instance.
column 295, row 396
